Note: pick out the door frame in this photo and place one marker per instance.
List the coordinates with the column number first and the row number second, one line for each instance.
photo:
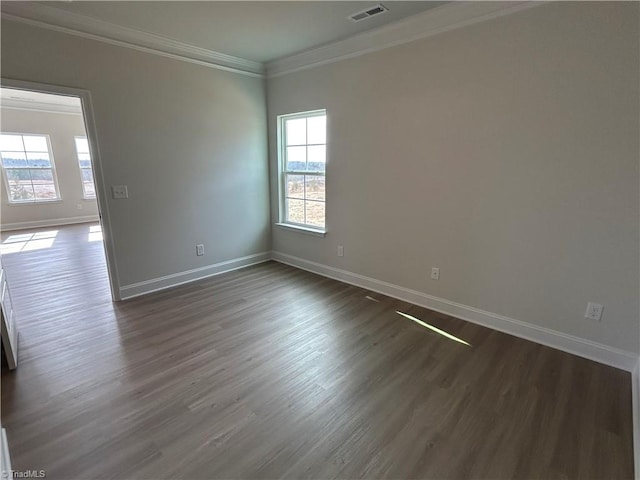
column 96, row 162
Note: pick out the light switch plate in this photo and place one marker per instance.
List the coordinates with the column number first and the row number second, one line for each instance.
column 119, row 191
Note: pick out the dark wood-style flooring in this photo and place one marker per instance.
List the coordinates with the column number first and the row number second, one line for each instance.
column 272, row 372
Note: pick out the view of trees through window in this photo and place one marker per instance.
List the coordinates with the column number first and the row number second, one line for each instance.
column 304, row 168
column 28, row 168
column 84, row 159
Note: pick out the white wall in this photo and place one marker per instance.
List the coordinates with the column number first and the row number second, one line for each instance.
column 188, row 141
column 61, row 128
column 504, row 153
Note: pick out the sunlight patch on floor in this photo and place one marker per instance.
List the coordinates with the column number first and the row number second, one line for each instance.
column 25, row 242
column 95, row 233
column 432, row 328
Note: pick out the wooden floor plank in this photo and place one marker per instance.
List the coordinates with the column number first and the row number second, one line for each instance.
column 273, row 372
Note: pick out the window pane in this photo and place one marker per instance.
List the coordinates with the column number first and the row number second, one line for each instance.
column 35, row 143
column 315, row 213
column 296, row 158
column 314, row 187
column 87, row 175
column 82, row 145
column 84, row 160
column 18, row 175
column 89, row 189
column 42, row 175
column 39, row 160
column 295, row 210
column 21, row 192
column 14, row 159
column 317, row 129
column 11, row 142
column 28, row 167
column 304, row 142
column 20, row 188
column 317, row 157
column 45, row 191
column 295, row 186
column 296, row 131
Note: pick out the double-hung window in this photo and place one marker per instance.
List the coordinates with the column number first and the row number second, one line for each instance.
column 302, row 166
column 86, row 171
column 29, row 171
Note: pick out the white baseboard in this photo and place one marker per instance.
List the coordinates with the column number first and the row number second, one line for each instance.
column 635, row 393
column 175, row 279
column 551, row 338
column 52, row 222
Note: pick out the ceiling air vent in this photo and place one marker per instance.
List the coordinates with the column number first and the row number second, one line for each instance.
column 369, row 12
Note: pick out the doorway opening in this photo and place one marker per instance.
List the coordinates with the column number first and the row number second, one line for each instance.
column 54, row 234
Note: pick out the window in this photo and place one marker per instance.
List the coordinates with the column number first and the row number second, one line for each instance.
column 28, row 168
column 303, row 154
column 86, row 170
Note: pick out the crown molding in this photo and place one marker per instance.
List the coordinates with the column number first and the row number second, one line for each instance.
column 56, row 19
column 12, row 104
column 431, row 22
column 41, row 109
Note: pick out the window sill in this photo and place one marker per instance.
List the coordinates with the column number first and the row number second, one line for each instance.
column 301, row 229
column 39, row 202
column 88, row 198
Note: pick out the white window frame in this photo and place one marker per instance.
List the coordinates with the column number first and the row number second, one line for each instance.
column 93, row 179
column 53, row 171
column 283, row 172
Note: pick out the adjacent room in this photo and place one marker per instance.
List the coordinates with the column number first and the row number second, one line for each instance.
column 51, row 238
column 320, row 239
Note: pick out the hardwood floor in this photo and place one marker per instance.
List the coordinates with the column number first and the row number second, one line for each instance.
column 273, row 372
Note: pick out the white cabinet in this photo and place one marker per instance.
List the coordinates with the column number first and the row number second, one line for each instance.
column 5, row 460
column 9, row 330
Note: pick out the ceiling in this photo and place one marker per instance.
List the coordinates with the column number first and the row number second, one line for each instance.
column 258, row 31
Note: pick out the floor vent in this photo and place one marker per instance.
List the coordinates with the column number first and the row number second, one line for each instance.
column 369, row 12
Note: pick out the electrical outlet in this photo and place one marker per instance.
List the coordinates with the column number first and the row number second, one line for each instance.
column 435, row 273
column 200, row 249
column 340, row 251
column 594, row 311
column 119, row 191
